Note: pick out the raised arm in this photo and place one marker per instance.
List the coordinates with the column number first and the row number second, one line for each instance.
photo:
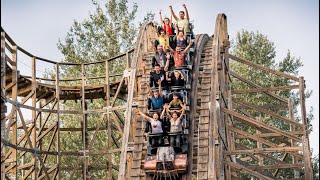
column 170, row 24
column 162, row 113
column 161, row 20
column 166, row 67
column 149, row 90
column 185, row 9
column 173, row 14
column 181, row 74
column 186, row 49
column 171, row 50
column 160, row 88
column 167, row 77
column 168, row 113
column 143, row 115
column 183, row 110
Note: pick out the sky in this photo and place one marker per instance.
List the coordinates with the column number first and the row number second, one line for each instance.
column 37, row 25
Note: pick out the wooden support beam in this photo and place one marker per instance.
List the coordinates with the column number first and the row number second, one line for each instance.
column 249, row 171
column 261, row 140
column 264, row 150
column 265, row 111
column 267, row 69
column 277, row 166
column 257, row 86
column 260, row 124
column 269, row 157
column 264, row 89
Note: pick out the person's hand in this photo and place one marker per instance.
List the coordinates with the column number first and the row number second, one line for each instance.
column 160, row 11
column 165, row 106
column 159, row 81
column 183, row 106
column 184, row 5
column 170, row 7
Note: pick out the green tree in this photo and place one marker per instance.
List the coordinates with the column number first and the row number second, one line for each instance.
column 315, row 167
column 106, row 33
column 257, row 48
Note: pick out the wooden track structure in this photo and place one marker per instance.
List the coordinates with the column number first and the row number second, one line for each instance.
column 215, row 152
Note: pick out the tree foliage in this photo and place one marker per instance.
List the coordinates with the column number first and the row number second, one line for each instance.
column 107, row 32
column 257, row 48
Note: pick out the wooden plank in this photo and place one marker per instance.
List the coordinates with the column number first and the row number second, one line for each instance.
column 264, row 150
column 254, row 137
column 260, row 124
column 257, row 86
column 257, row 90
column 277, row 166
column 251, row 172
column 266, row 112
column 267, row 69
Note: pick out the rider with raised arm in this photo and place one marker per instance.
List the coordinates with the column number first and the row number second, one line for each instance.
column 156, row 125
column 176, row 78
column 179, row 56
column 176, row 124
column 182, row 21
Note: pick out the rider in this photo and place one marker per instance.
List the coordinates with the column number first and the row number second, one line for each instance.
column 179, row 56
column 176, row 125
column 161, row 58
column 167, row 26
column 157, row 75
column 156, row 125
column 176, row 102
column 176, row 78
column 156, row 98
column 183, row 22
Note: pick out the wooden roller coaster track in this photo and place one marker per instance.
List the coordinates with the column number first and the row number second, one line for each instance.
column 216, row 148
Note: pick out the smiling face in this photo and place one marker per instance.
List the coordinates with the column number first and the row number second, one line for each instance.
column 175, row 116
column 166, row 21
column 159, row 49
column 178, row 49
column 181, row 34
column 162, row 33
column 181, row 14
column 176, row 73
column 157, row 69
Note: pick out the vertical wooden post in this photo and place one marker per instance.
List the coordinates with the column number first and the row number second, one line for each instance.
column 58, row 158
column 128, row 116
column 3, row 105
column 306, row 146
column 14, row 114
column 109, row 121
column 34, row 130
column 292, row 128
column 84, row 123
column 213, row 162
column 128, row 60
